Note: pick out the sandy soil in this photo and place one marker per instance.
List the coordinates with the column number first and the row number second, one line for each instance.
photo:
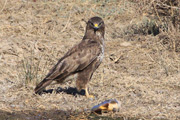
column 138, row 69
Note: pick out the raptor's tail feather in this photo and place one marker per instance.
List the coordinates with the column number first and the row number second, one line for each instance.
column 41, row 86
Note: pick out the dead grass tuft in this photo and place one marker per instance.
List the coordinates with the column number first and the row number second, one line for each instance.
column 31, row 71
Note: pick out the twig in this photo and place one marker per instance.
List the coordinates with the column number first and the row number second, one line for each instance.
column 67, row 21
column 167, row 6
column 3, row 6
column 157, row 13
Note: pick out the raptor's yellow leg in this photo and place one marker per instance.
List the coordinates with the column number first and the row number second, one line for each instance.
column 87, row 93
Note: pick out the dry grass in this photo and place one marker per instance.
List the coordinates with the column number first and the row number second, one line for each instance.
column 139, row 69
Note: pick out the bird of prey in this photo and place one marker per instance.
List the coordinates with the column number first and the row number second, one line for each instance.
column 82, row 59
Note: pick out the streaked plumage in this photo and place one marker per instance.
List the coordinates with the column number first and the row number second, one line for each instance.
column 83, row 59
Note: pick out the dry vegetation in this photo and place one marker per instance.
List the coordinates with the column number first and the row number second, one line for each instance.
column 140, row 69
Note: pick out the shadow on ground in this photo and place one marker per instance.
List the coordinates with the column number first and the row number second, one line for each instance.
column 55, row 115
column 93, row 116
column 69, row 90
column 35, row 115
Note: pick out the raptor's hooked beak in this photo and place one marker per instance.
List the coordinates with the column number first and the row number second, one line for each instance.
column 96, row 27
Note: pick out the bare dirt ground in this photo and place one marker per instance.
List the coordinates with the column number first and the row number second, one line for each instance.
column 139, row 69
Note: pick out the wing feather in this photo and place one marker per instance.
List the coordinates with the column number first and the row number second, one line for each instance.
column 76, row 59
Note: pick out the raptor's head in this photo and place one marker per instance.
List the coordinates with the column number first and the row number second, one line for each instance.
column 95, row 25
